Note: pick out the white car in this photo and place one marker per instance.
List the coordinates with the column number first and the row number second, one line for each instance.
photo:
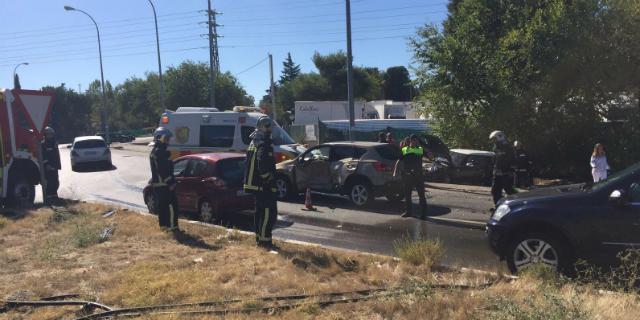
column 90, row 150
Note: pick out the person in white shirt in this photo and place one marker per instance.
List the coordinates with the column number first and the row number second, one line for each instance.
column 599, row 165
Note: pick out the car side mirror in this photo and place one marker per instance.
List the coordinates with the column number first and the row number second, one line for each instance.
column 617, row 198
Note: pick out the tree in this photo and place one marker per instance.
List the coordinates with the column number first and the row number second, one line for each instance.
column 397, row 84
column 16, row 82
column 188, row 85
column 333, row 67
column 290, row 70
column 544, row 72
column 71, row 112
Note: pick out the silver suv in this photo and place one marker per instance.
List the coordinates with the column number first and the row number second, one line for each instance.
column 359, row 170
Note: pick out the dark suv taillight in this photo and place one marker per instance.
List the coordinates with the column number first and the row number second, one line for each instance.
column 74, row 154
column 106, row 152
column 381, row 166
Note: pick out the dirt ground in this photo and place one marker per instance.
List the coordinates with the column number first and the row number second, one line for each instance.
column 124, row 260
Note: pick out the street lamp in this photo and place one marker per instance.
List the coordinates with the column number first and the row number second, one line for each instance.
column 14, row 72
column 155, row 18
column 105, row 122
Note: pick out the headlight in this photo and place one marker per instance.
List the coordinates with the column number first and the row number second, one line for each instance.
column 501, row 211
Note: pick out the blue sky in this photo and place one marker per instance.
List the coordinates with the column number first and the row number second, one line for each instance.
column 61, row 46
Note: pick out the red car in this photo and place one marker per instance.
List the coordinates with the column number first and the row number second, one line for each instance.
column 209, row 184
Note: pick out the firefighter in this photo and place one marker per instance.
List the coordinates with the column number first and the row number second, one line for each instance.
column 259, row 179
column 163, row 181
column 412, row 175
column 502, row 166
column 523, row 166
column 51, row 164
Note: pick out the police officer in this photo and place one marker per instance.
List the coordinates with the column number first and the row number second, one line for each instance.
column 503, row 166
column 51, row 164
column 163, row 181
column 523, row 166
column 412, row 175
column 259, row 179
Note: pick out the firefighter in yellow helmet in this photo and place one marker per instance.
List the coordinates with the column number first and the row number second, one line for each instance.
column 260, row 174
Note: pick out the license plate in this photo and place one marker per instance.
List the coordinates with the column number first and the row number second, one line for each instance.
column 90, row 153
column 241, row 193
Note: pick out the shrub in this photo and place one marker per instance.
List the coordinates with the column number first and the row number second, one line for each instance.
column 419, row 252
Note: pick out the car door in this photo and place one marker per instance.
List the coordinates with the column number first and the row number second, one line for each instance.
column 622, row 219
column 191, row 184
column 180, row 168
column 312, row 169
column 343, row 159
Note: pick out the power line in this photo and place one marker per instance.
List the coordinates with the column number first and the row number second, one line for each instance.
column 229, row 47
column 307, row 22
column 312, row 42
column 253, row 66
column 121, row 46
column 109, row 36
column 109, row 56
column 105, row 24
column 206, row 47
column 355, row 13
column 374, row 28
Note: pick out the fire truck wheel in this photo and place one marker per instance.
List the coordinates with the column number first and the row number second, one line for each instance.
column 21, row 193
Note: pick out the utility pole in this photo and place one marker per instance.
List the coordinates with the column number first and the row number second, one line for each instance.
column 272, row 90
column 350, row 71
column 214, row 67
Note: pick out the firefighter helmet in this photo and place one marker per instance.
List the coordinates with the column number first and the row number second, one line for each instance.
column 161, row 133
column 264, row 122
column 498, row 136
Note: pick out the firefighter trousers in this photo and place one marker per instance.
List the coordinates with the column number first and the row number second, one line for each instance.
column 265, row 216
column 501, row 182
column 53, row 183
column 167, row 207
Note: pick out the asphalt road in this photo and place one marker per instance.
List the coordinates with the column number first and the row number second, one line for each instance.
column 452, row 212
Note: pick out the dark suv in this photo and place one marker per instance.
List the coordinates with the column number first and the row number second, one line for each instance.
column 556, row 226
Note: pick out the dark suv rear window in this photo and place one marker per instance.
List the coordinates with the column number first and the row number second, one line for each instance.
column 88, row 144
column 389, row 152
column 231, row 171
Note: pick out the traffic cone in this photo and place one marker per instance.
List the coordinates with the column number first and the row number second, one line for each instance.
column 307, row 201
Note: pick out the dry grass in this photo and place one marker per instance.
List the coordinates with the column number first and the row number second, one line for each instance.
column 45, row 253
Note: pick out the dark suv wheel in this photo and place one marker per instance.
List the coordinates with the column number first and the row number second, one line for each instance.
column 283, row 188
column 533, row 248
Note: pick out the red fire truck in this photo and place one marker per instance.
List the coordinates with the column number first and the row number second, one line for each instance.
column 23, row 116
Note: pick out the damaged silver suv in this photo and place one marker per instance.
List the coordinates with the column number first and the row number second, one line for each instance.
column 359, row 170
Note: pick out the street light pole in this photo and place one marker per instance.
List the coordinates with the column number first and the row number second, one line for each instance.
column 105, row 121
column 14, row 72
column 350, row 72
column 155, row 18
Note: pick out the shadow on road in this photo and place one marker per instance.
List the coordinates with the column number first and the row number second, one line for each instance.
column 93, row 168
column 332, row 202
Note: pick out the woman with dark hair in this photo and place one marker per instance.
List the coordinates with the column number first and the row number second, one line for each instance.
column 599, row 165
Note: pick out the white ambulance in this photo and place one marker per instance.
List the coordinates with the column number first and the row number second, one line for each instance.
column 203, row 130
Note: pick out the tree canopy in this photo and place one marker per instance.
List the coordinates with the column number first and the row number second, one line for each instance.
column 546, row 72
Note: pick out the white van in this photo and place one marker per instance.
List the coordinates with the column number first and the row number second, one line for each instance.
column 204, row 130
